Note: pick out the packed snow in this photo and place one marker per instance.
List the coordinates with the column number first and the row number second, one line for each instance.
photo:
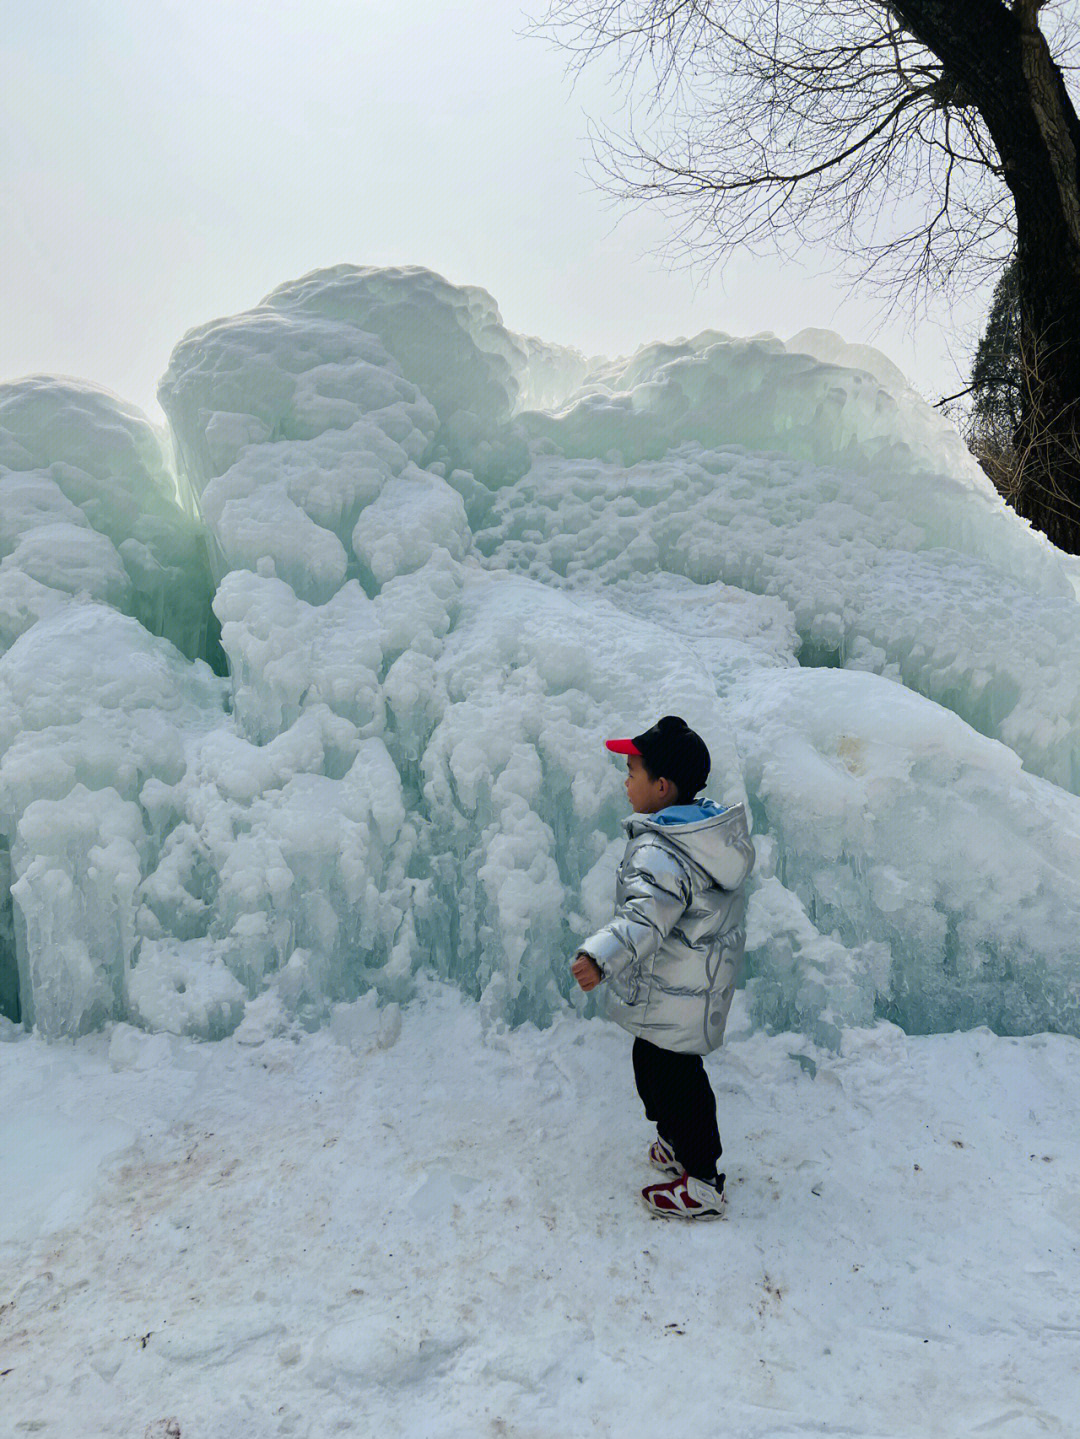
column 409, row 1225
column 302, row 708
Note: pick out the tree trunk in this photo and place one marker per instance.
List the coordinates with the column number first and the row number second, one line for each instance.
column 1004, row 67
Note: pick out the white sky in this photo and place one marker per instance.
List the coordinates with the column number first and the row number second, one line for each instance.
column 167, row 163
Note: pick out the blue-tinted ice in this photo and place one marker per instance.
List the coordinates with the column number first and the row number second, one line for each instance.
column 446, row 561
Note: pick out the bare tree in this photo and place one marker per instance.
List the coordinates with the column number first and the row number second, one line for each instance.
column 928, row 139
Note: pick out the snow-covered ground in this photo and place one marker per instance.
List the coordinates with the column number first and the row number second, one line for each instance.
column 410, row 1224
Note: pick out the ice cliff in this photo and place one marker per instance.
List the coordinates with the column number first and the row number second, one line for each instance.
column 444, row 561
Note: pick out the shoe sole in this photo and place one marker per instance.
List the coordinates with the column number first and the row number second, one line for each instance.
column 681, row 1214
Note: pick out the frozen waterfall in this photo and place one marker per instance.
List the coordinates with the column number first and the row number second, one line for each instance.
column 309, row 695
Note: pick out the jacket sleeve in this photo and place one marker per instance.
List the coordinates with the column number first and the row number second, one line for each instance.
column 656, row 893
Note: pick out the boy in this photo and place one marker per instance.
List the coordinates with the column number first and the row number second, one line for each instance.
column 671, row 954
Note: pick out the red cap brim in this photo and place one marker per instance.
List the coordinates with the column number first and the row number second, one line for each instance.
column 622, row 746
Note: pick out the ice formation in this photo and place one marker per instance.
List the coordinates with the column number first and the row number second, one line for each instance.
column 90, row 511
column 447, row 560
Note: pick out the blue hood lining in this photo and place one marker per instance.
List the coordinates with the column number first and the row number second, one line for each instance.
column 689, row 813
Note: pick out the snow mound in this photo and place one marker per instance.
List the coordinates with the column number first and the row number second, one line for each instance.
column 448, row 561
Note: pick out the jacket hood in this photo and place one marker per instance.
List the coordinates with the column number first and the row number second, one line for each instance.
column 714, row 837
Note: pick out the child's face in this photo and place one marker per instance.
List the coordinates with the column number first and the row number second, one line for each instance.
column 646, row 795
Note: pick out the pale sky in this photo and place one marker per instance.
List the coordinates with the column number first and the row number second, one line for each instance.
column 168, row 163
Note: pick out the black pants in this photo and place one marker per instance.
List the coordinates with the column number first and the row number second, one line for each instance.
column 678, row 1098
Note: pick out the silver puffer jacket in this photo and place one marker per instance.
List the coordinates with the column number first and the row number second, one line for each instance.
column 670, row 956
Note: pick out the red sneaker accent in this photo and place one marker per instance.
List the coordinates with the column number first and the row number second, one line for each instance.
column 686, row 1198
column 662, row 1157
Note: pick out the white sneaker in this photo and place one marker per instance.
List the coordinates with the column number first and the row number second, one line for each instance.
column 686, row 1198
column 662, row 1157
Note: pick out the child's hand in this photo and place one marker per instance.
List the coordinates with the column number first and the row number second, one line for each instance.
column 585, row 971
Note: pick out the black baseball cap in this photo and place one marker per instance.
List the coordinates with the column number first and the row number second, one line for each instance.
column 671, row 750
